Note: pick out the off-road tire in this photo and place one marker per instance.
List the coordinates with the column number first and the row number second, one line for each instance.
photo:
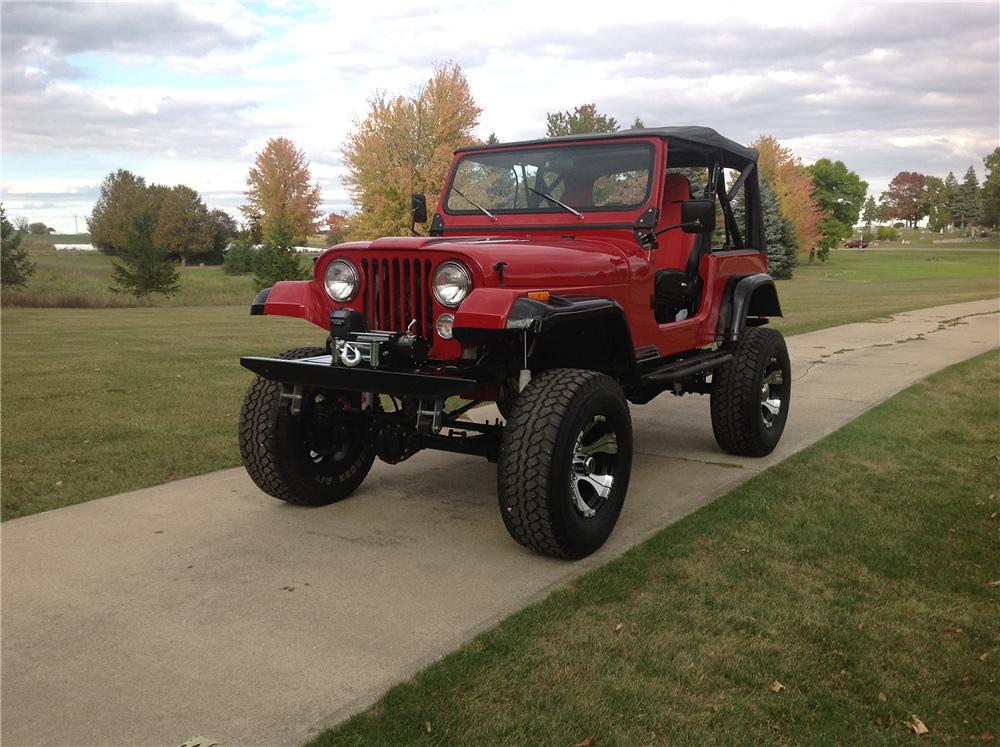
column 273, row 450
column 536, row 454
column 736, row 394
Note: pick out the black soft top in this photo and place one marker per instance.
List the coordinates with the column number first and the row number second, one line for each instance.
column 690, row 146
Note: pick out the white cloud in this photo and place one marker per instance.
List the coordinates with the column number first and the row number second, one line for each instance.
column 883, row 87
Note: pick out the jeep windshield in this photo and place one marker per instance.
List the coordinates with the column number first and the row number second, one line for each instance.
column 570, row 178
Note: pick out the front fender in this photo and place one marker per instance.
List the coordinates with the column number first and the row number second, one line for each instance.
column 302, row 299
column 487, row 308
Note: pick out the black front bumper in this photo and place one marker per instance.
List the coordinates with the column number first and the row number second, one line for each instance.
column 317, row 372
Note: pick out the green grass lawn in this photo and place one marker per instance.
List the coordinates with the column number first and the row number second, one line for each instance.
column 98, row 401
column 164, row 399
column 83, row 280
column 859, row 574
column 856, row 286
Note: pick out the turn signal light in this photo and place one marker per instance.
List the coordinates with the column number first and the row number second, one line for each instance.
column 539, row 296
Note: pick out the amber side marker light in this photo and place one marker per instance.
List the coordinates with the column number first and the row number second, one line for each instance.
column 539, row 296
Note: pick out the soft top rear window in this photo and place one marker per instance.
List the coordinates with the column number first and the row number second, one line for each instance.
column 585, row 177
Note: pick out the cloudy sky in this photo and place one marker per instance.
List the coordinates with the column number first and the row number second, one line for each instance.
column 187, row 93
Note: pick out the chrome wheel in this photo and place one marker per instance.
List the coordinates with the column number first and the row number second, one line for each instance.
column 771, row 392
column 592, row 473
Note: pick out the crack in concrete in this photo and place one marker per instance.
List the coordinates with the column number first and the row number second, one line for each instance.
column 727, row 465
column 920, row 336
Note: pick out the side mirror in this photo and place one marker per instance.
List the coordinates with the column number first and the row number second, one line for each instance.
column 418, row 208
column 698, row 216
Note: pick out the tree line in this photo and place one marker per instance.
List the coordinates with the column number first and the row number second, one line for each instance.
column 404, row 144
column 946, row 203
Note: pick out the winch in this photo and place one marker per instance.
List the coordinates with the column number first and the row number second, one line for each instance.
column 352, row 344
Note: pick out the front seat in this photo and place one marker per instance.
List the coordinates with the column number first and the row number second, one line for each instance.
column 676, row 262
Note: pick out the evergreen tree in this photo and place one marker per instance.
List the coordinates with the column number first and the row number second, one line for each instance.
column 145, row 267
column 869, row 213
column 779, row 231
column 15, row 267
column 493, row 139
column 968, row 205
column 779, row 235
column 638, row 124
column 241, row 256
column 277, row 259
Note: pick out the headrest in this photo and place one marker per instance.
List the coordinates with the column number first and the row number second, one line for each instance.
column 677, row 188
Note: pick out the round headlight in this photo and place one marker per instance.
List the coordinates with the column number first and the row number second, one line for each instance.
column 341, row 280
column 452, row 284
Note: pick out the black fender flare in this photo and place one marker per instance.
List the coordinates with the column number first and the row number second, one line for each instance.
column 746, row 296
column 566, row 332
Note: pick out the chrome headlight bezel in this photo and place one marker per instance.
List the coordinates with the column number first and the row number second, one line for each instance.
column 352, row 272
column 464, row 286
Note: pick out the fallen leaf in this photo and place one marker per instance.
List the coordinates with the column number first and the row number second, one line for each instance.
column 618, row 627
column 744, row 551
column 993, row 583
column 59, row 483
column 882, row 697
column 986, row 736
column 588, row 742
column 427, row 726
column 777, row 687
column 982, row 657
column 916, row 726
column 953, row 629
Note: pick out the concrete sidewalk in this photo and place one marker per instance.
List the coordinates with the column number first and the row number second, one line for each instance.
column 203, row 607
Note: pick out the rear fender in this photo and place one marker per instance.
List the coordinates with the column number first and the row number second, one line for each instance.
column 748, row 296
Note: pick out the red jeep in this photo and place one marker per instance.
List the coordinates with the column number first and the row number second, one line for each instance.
column 561, row 279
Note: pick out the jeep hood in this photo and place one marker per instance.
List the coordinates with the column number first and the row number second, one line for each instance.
column 528, row 263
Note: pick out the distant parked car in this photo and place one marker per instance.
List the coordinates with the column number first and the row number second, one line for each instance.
column 857, row 244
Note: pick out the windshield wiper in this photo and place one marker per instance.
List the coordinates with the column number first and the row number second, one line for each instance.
column 550, row 198
column 484, row 211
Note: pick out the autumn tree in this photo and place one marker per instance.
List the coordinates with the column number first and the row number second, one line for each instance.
column 404, row 145
column 906, row 198
column 336, row 228
column 991, row 189
column 183, row 224
column 583, row 119
column 279, row 190
column 793, row 188
column 15, row 267
column 122, row 196
column 841, row 194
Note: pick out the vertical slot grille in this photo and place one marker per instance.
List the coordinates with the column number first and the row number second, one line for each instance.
column 398, row 290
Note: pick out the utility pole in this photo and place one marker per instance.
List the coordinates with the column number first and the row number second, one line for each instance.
column 76, row 226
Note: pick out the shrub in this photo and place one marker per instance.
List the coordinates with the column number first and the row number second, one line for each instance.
column 15, row 267
column 886, row 233
column 241, row 256
column 145, row 267
column 277, row 259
